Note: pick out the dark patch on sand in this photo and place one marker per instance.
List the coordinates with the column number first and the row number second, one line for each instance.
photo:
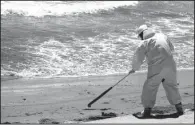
column 122, row 98
column 13, row 123
column 6, row 123
column 105, row 102
column 125, row 100
column 98, row 117
column 104, row 109
column 28, row 114
column 111, row 114
column 186, row 93
column 48, row 121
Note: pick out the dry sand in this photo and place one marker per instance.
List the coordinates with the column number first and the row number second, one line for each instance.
column 59, row 100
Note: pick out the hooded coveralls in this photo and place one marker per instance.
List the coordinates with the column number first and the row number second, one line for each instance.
column 161, row 68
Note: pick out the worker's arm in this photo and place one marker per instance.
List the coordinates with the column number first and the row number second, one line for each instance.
column 138, row 57
column 170, row 45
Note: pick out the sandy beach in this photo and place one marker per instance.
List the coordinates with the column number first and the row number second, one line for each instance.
column 58, row 56
column 59, row 100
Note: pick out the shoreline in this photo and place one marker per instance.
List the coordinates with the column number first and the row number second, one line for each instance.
column 10, row 77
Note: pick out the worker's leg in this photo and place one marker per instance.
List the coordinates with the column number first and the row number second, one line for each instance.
column 148, row 97
column 149, row 91
column 171, row 88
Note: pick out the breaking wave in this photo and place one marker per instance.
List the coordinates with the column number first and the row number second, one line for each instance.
column 59, row 8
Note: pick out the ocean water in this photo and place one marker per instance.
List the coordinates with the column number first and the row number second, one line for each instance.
column 79, row 38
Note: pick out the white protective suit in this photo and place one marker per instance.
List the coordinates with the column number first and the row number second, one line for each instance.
column 161, row 68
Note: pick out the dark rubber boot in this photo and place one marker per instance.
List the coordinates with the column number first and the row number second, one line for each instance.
column 144, row 114
column 179, row 109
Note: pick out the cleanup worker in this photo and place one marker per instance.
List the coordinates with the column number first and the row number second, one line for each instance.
column 157, row 49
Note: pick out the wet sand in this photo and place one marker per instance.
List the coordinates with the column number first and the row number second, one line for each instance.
column 58, row 100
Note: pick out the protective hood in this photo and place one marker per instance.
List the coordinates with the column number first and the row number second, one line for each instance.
column 149, row 33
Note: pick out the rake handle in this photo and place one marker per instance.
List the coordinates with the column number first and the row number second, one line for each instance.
column 97, row 98
column 89, row 105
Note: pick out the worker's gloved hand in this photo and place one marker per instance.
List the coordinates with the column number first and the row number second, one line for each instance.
column 132, row 71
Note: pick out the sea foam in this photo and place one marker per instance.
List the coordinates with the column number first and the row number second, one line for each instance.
column 59, row 8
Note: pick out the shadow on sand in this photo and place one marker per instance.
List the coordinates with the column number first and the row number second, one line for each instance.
column 159, row 116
